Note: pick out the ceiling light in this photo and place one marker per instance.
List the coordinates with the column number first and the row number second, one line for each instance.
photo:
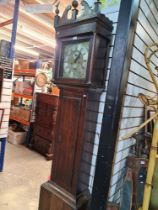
column 26, row 50
column 38, row 36
column 39, row 8
column 3, row 2
column 42, row 19
column 50, row 26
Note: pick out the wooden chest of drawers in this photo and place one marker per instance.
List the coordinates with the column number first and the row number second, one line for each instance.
column 43, row 132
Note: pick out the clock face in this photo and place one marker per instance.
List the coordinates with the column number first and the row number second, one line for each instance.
column 75, row 60
column 41, row 79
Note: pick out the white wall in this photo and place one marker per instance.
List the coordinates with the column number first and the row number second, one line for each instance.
column 139, row 81
column 112, row 13
column 5, row 102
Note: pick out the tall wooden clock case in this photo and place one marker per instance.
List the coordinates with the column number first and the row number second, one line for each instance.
column 81, row 52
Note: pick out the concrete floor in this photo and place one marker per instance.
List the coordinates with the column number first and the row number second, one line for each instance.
column 24, row 172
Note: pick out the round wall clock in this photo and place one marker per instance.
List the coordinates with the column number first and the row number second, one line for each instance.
column 41, row 80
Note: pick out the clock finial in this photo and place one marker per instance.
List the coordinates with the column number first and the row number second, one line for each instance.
column 97, row 6
column 57, row 17
column 57, row 9
column 85, row 9
column 75, row 10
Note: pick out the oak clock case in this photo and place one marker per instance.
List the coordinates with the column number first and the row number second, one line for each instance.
column 82, row 46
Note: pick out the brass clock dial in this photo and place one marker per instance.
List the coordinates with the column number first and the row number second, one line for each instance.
column 41, row 79
column 75, row 60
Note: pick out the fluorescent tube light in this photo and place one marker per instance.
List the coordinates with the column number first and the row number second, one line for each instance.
column 38, row 19
column 39, row 37
column 26, row 50
column 39, row 8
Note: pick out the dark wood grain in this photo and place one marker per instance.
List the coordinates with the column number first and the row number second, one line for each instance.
column 98, row 31
column 43, row 133
column 73, row 117
column 68, row 137
column 70, row 144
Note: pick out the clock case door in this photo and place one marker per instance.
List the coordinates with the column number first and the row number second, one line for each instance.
column 69, row 138
column 98, row 31
column 73, row 41
column 73, row 141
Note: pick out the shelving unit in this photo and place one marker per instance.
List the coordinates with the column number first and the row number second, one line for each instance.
column 24, row 122
column 22, row 95
column 25, row 72
column 22, row 115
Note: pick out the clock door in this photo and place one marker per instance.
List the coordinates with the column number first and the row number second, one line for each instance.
column 68, row 138
column 73, row 65
column 75, row 60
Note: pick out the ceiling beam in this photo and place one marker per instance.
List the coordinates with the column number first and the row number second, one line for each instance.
column 8, row 22
column 25, row 24
column 44, row 52
column 34, row 30
column 31, row 44
column 37, row 20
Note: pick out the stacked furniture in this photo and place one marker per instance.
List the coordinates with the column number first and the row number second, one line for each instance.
column 45, row 120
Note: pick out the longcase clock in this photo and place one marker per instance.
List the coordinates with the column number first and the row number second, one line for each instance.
column 80, row 71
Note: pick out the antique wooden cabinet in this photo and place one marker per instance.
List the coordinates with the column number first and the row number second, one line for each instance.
column 43, row 132
column 80, row 70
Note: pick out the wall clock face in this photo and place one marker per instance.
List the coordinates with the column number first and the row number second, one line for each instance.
column 75, row 60
column 41, row 79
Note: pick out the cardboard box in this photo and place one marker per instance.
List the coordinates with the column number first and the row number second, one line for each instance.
column 15, row 101
column 19, row 87
column 16, row 137
column 14, row 111
column 24, row 114
column 20, row 113
column 22, row 65
column 32, row 65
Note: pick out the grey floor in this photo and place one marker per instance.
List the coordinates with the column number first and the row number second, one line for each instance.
column 24, row 172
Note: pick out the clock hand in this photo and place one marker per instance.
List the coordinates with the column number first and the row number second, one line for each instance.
column 77, row 57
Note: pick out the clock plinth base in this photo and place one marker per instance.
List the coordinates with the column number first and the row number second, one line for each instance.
column 53, row 197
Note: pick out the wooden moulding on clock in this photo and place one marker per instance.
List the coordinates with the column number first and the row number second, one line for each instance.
column 98, row 31
column 55, row 196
